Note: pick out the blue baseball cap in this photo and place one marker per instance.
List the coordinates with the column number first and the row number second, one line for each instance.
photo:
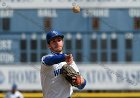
column 14, row 86
column 52, row 34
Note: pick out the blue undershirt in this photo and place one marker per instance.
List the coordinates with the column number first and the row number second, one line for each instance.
column 54, row 59
column 82, row 85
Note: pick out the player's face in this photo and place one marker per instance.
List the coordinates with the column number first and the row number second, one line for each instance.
column 56, row 44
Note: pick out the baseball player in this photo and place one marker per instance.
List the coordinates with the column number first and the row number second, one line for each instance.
column 14, row 93
column 54, row 85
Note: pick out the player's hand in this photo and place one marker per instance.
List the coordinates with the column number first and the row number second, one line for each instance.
column 78, row 80
column 69, row 59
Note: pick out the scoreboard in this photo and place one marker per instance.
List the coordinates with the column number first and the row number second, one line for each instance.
column 67, row 4
column 9, row 49
column 6, row 51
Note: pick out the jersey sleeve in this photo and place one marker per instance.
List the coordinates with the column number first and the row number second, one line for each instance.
column 74, row 66
column 52, row 59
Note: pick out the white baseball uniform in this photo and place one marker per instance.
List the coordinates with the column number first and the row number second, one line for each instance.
column 17, row 94
column 54, row 85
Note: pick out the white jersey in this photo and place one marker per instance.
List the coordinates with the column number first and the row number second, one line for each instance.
column 54, row 85
column 17, row 94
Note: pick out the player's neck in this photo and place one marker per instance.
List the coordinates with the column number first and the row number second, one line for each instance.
column 54, row 52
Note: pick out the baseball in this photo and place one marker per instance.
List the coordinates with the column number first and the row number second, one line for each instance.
column 76, row 9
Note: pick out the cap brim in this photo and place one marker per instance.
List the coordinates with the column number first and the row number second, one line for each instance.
column 55, row 37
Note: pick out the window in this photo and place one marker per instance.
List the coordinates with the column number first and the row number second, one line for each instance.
column 137, row 23
column 79, row 53
column 113, row 43
column 23, row 57
column 128, row 43
column 43, row 47
column 93, row 43
column 47, row 23
column 128, row 56
column 33, row 44
column 128, row 46
column 68, row 44
column 103, row 44
column 93, row 57
column 103, row 47
column 23, row 44
column 78, row 43
column 114, row 48
column 43, row 44
column 114, row 57
column 6, row 24
column 104, row 56
column 33, row 57
column 79, row 56
column 93, row 48
column 95, row 23
column 78, row 47
column 23, row 48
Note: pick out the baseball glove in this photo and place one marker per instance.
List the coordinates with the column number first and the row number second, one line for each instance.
column 73, row 77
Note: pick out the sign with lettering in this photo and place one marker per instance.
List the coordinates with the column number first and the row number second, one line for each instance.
column 112, row 77
column 66, row 4
column 6, row 57
column 98, row 77
column 5, row 44
column 6, row 52
column 25, row 76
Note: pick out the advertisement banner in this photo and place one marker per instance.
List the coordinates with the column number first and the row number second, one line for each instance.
column 99, row 77
column 112, row 77
column 60, row 4
column 26, row 77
